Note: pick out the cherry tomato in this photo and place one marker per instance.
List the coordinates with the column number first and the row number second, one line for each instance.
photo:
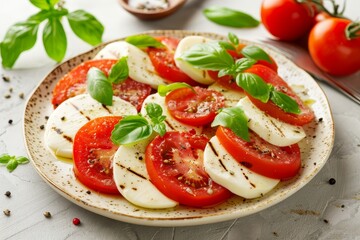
column 286, row 19
column 74, row 83
column 196, row 107
column 331, row 50
column 270, row 76
column 164, row 63
column 175, row 166
column 260, row 156
column 93, row 159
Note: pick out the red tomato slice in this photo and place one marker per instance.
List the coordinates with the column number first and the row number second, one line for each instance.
column 260, row 156
column 175, row 166
column 74, row 83
column 164, row 63
column 270, row 76
column 194, row 108
column 93, row 152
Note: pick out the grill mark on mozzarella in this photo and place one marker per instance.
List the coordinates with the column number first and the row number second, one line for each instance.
column 106, row 108
column 60, row 132
column 282, row 134
column 217, row 155
column 132, row 171
column 169, row 124
column 247, row 178
column 81, row 112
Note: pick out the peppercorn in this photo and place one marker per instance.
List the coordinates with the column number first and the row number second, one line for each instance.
column 47, row 214
column 10, row 121
column 42, row 127
column 7, row 212
column 332, row 181
column 76, row 221
column 8, row 193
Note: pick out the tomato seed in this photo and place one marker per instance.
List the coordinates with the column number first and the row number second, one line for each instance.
column 76, row 221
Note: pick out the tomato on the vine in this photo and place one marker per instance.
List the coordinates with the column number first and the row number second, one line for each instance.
column 330, row 48
column 287, row 19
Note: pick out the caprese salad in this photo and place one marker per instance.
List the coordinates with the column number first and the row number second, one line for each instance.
column 166, row 121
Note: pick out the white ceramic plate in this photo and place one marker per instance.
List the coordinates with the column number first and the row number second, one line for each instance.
column 315, row 149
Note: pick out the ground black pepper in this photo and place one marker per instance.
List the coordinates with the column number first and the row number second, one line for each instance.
column 8, row 194
column 10, row 121
column 6, row 78
column 42, row 127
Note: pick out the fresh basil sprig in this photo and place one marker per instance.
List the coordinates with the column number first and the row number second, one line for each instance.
column 254, row 52
column 134, row 128
column 99, row 85
column 144, row 41
column 229, row 17
column 235, row 119
column 11, row 162
column 22, row 36
column 285, row 102
column 165, row 89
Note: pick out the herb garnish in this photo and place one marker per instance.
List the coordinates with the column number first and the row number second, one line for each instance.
column 144, row 41
column 22, row 36
column 165, row 89
column 134, row 128
column 11, row 162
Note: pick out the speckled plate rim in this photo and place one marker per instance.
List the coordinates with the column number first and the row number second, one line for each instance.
column 315, row 148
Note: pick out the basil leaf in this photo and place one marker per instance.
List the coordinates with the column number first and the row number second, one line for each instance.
column 160, row 128
column 99, row 87
column 131, row 129
column 11, row 165
column 19, row 38
column 165, row 89
column 86, row 26
column 256, row 53
column 229, row 17
column 42, row 4
column 144, row 41
column 22, row 160
column 235, row 119
column 233, row 38
column 119, row 72
column 227, row 45
column 5, row 158
column 285, row 102
column 54, row 39
column 243, row 64
column 153, row 110
column 254, row 85
column 210, row 56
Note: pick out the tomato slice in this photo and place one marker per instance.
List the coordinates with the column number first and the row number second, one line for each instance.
column 196, row 107
column 164, row 63
column 74, row 83
column 270, row 76
column 260, row 156
column 93, row 159
column 175, row 166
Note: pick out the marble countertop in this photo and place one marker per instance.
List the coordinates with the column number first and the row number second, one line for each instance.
column 318, row 211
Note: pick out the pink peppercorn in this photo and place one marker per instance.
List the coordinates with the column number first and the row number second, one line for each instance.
column 76, row 221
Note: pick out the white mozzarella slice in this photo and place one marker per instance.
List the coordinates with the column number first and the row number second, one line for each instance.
column 270, row 129
column 72, row 114
column 132, row 178
column 229, row 173
column 197, row 74
column 140, row 66
column 232, row 97
column 171, row 123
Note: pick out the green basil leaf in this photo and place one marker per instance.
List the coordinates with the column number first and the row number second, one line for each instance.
column 226, row 71
column 131, row 129
column 119, row 72
column 285, row 102
column 254, row 85
column 19, row 38
column 235, row 119
column 254, row 52
column 54, row 39
column 42, row 4
column 243, row 64
column 165, row 89
column 233, row 38
column 153, row 110
column 86, row 26
column 160, row 128
column 210, row 56
column 229, row 17
column 11, row 165
column 227, row 45
column 5, row 158
column 144, row 41
column 99, row 87
column 22, row 160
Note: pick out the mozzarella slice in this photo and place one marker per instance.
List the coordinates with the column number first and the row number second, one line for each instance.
column 270, row 129
column 232, row 97
column 185, row 44
column 132, row 178
column 139, row 63
column 171, row 123
column 72, row 114
column 227, row 172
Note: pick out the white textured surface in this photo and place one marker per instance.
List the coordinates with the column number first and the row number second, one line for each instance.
column 299, row 217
